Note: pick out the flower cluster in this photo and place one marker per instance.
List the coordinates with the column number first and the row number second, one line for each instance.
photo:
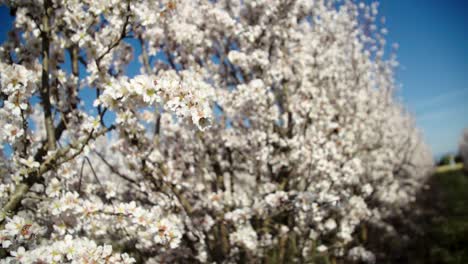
column 18, row 230
column 17, row 84
column 185, row 94
column 69, row 250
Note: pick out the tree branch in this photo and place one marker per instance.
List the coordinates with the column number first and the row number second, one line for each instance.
column 45, row 89
column 34, row 174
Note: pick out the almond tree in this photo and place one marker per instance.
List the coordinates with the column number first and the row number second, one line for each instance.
column 255, row 131
column 463, row 148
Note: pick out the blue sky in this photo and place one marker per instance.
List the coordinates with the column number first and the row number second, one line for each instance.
column 433, row 56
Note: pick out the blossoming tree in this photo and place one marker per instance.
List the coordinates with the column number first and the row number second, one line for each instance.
column 255, row 131
column 463, row 148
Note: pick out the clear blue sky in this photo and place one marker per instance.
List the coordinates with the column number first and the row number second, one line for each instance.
column 433, row 56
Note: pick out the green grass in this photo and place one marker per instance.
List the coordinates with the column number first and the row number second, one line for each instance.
column 434, row 229
column 449, row 230
column 448, row 168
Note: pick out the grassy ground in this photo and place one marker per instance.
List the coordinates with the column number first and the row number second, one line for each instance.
column 449, row 168
column 435, row 229
column 448, row 231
